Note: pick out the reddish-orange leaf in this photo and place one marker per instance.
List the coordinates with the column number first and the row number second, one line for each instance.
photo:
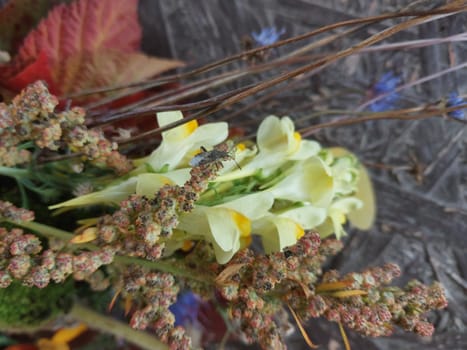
column 85, row 25
column 84, row 45
column 18, row 17
column 38, row 69
column 105, row 68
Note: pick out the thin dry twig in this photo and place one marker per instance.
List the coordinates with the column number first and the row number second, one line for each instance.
column 447, row 11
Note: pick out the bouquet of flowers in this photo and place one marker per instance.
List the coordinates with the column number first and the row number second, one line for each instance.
column 123, row 208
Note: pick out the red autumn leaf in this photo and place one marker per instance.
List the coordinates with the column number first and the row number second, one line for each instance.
column 87, row 44
column 18, row 17
column 85, row 25
column 38, row 69
column 107, row 67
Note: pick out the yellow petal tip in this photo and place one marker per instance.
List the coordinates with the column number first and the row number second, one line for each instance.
column 86, row 236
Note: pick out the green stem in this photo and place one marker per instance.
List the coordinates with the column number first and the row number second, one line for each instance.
column 24, row 195
column 212, row 193
column 13, row 172
column 117, row 328
column 166, row 266
column 44, row 230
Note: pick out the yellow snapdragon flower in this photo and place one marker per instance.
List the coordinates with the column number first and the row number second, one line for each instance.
column 310, row 181
column 181, row 143
column 278, row 232
column 337, row 216
column 226, row 225
column 283, row 229
column 143, row 184
column 277, row 143
column 276, row 189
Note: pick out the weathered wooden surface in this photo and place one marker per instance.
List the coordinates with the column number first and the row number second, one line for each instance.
column 421, row 225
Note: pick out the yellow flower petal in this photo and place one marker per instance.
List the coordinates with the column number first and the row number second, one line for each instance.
column 241, row 147
column 364, row 217
column 178, row 133
column 277, row 142
column 253, row 206
column 326, row 228
column 278, row 136
column 309, row 181
column 223, row 227
column 144, row 184
column 242, row 222
column 337, row 214
column 173, row 154
column 297, row 136
column 227, row 226
column 307, row 216
column 307, row 149
column 110, row 195
column 187, row 245
column 66, row 335
column 245, row 241
column 148, row 184
column 46, row 344
column 277, row 232
column 88, row 235
column 299, row 232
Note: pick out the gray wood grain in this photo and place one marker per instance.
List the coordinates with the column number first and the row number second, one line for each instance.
column 421, row 225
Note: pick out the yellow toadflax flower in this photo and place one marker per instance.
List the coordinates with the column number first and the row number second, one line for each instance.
column 277, row 143
column 285, row 185
column 337, row 216
column 364, row 216
column 143, row 184
column 283, row 229
column 310, row 181
column 226, row 226
column 180, row 144
column 278, row 233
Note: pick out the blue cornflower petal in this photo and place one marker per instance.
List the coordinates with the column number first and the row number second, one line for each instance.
column 455, row 100
column 186, row 308
column 387, row 83
column 267, row 36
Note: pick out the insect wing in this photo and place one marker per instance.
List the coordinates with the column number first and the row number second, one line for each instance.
column 197, row 160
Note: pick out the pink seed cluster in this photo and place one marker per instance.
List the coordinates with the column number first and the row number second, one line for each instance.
column 154, row 292
column 141, row 224
column 254, row 287
column 10, row 212
column 31, row 116
column 22, row 258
